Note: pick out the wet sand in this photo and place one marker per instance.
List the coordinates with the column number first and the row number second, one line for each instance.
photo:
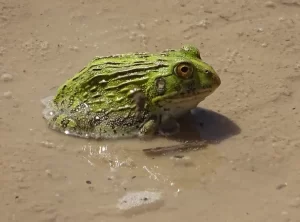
column 250, row 169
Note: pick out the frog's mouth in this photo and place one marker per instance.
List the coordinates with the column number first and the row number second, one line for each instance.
column 193, row 95
column 188, row 98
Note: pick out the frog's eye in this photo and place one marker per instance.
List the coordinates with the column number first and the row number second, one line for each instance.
column 184, row 70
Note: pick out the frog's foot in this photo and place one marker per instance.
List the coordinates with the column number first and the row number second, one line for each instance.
column 148, row 129
column 169, row 128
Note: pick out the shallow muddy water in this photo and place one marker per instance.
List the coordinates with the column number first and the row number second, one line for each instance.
column 249, row 171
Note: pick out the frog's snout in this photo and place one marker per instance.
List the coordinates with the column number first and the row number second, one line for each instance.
column 216, row 80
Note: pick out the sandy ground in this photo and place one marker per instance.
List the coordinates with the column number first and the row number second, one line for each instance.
column 249, row 172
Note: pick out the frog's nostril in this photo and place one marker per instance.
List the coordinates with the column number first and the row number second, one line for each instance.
column 217, row 80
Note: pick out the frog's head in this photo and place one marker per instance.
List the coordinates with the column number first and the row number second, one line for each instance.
column 193, row 69
column 187, row 80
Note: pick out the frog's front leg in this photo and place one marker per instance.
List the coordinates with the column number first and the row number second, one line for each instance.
column 149, row 128
column 169, row 127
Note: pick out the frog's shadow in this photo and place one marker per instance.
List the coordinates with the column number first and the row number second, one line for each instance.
column 203, row 124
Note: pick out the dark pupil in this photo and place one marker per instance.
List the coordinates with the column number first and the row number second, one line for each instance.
column 184, row 69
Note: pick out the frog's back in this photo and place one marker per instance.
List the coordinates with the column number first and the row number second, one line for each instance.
column 98, row 100
column 105, row 75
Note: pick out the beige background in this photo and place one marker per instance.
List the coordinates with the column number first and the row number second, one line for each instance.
column 252, row 174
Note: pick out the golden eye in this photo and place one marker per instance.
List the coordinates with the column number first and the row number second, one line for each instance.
column 184, row 70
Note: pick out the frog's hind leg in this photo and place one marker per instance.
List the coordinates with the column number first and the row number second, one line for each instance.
column 64, row 123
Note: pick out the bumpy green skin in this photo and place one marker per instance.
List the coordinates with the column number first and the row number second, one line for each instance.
column 132, row 94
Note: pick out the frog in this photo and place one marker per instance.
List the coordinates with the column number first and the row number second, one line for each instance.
column 130, row 95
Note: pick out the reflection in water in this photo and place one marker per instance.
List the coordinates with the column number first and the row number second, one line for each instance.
column 129, row 165
column 151, row 174
column 101, row 153
column 155, row 174
column 91, row 152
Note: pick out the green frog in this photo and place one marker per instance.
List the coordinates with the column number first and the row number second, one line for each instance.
column 131, row 95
